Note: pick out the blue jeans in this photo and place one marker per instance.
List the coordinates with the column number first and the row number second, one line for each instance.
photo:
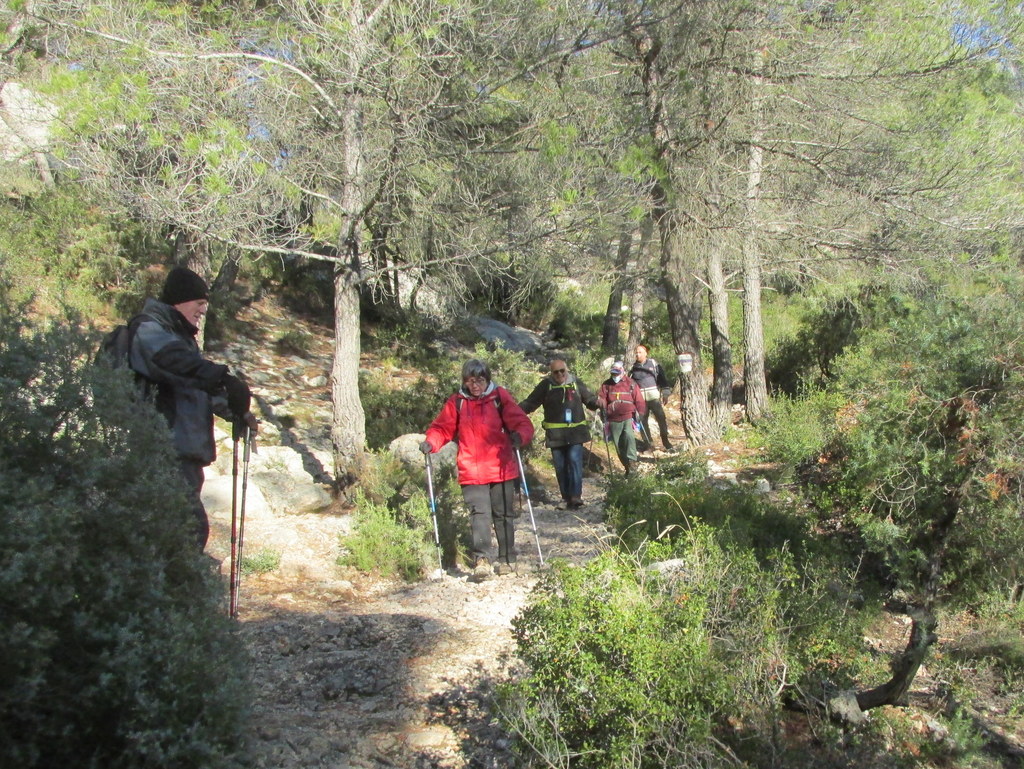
column 568, row 462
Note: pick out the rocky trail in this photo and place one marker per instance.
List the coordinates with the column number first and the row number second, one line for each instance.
column 350, row 671
column 362, row 673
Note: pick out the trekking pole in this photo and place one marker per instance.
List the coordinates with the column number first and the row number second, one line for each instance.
column 529, row 504
column 646, row 433
column 433, row 509
column 236, row 577
column 606, row 433
column 232, row 597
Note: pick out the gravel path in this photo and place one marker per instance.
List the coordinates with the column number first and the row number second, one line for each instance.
column 361, row 673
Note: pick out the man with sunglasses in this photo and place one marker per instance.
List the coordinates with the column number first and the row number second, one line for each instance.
column 566, row 429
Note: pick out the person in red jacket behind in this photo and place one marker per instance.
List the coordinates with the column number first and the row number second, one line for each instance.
column 489, row 426
column 621, row 402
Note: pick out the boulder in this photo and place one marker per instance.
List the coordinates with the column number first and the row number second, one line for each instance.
column 510, row 337
column 407, row 449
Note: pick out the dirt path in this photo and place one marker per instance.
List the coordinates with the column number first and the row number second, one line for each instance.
column 353, row 674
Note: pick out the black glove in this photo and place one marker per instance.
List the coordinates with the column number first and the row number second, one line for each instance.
column 239, row 395
column 517, row 440
column 425, row 447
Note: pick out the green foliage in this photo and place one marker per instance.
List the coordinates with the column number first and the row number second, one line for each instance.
column 676, row 497
column 929, row 467
column 576, row 317
column 636, row 661
column 116, row 649
column 806, row 360
column 62, row 250
column 797, row 429
column 262, row 561
column 391, row 541
column 396, row 407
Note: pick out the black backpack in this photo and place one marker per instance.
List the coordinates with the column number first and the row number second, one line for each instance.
column 116, row 347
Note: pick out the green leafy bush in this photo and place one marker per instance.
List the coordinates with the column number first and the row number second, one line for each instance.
column 116, row 650
column 798, row 428
column 678, row 656
column 391, row 541
column 930, row 466
column 262, row 561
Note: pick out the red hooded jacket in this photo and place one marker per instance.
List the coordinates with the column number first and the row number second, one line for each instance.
column 482, row 430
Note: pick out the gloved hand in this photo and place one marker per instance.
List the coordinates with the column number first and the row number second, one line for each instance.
column 425, row 447
column 517, row 440
column 239, row 395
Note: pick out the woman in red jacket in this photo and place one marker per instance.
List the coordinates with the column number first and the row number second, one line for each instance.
column 489, row 427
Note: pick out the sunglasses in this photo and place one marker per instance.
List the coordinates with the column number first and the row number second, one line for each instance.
column 558, row 370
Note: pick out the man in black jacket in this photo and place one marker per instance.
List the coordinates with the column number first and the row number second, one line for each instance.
column 565, row 426
column 187, row 388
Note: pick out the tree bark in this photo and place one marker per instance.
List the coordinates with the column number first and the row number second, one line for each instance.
column 721, row 347
column 755, row 386
column 638, row 290
column 904, row 667
column 348, row 429
column 684, row 294
column 613, row 313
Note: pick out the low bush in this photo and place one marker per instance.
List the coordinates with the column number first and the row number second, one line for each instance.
column 798, row 428
column 391, row 541
column 116, row 651
column 681, row 655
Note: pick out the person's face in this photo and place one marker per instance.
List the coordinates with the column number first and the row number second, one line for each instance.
column 641, row 353
column 559, row 371
column 193, row 310
column 475, row 385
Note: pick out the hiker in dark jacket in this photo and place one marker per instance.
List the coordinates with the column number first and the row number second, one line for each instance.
column 655, row 388
column 563, row 397
column 187, row 388
column 620, row 401
column 490, row 427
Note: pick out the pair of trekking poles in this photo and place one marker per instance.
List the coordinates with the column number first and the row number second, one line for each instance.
column 240, row 430
column 605, row 433
column 433, row 507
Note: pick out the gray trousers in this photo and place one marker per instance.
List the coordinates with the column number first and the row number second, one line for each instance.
column 492, row 504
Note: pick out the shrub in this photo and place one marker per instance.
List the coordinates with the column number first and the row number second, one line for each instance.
column 262, row 561
column 116, row 649
column 929, row 470
column 391, row 541
column 798, row 428
column 686, row 663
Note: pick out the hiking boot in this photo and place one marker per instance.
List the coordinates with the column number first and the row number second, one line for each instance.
column 630, row 468
column 481, row 568
column 503, row 568
column 575, row 503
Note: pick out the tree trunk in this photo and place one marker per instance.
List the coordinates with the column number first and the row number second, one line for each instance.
column 755, row 386
column 348, row 429
column 904, row 667
column 624, row 276
column 721, row 347
column 638, row 289
column 227, row 275
column 684, row 294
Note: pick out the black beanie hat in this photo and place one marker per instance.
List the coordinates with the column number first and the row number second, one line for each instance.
column 183, row 285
